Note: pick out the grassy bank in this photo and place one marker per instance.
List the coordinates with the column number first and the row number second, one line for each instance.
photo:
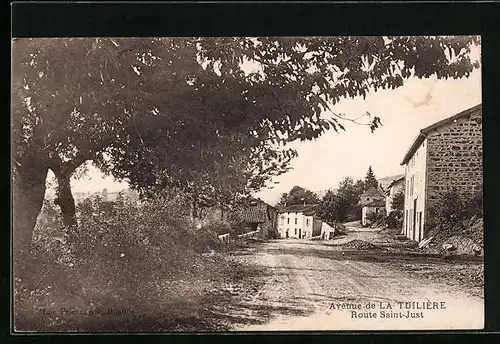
column 129, row 267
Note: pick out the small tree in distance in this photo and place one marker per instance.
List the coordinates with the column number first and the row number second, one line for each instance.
column 333, row 208
column 370, row 179
column 299, row 195
column 398, row 201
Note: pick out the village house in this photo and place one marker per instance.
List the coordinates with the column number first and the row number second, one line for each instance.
column 327, row 231
column 371, row 201
column 396, row 186
column 299, row 221
column 444, row 155
column 260, row 216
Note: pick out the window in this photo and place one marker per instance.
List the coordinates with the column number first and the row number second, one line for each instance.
column 295, row 220
column 307, row 222
column 295, row 231
column 288, row 220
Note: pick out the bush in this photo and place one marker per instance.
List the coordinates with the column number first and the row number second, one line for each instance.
column 394, row 219
column 381, row 215
column 116, row 254
column 217, row 227
column 454, row 207
column 371, row 217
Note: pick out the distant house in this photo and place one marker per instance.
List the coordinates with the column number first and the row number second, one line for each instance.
column 298, row 221
column 386, row 181
column 327, row 231
column 444, row 155
column 371, row 201
column 258, row 215
column 396, row 186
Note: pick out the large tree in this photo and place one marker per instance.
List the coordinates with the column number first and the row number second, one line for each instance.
column 300, row 195
column 334, row 208
column 370, row 179
column 177, row 102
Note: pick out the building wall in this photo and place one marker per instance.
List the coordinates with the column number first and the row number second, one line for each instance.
column 397, row 187
column 415, row 179
column 455, row 159
column 268, row 228
column 368, row 199
column 368, row 210
column 296, row 224
column 327, row 231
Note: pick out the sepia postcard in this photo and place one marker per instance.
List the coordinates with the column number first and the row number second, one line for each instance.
column 245, row 184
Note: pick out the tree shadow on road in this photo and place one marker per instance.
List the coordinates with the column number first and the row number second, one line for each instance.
column 378, row 256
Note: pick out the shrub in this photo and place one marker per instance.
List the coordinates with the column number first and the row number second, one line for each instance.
column 454, row 207
column 119, row 253
column 398, row 201
column 394, row 219
column 381, row 215
column 474, row 205
column 371, row 217
column 217, row 227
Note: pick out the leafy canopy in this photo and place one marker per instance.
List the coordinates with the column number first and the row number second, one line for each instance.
column 299, row 195
column 176, row 111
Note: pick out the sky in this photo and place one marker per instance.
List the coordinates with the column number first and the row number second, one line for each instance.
column 323, row 162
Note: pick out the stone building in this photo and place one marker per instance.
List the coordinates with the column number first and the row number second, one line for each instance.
column 260, row 216
column 444, row 155
column 371, row 201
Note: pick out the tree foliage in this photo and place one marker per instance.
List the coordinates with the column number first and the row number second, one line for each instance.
column 300, row 195
column 177, row 112
column 334, row 208
column 370, row 179
column 398, row 201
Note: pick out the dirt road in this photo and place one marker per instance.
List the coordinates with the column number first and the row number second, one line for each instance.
column 310, row 285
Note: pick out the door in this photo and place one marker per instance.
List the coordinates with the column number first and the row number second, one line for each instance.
column 300, row 233
column 414, row 224
column 420, row 226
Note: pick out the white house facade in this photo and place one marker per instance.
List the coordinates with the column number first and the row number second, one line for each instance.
column 414, row 209
column 397, row 185
column 371, row 201
column 296, row 221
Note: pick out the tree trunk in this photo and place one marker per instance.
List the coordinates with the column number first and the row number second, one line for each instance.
column 28, row 195
column 65, row 200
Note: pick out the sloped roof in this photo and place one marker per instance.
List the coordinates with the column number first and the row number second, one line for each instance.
column 255, row 211
column 394, row 182
column 372, row 192
column 376, row 203
column 422, row 135
column 387, row 181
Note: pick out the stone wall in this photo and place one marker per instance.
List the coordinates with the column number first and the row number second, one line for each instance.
column 454, row 159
